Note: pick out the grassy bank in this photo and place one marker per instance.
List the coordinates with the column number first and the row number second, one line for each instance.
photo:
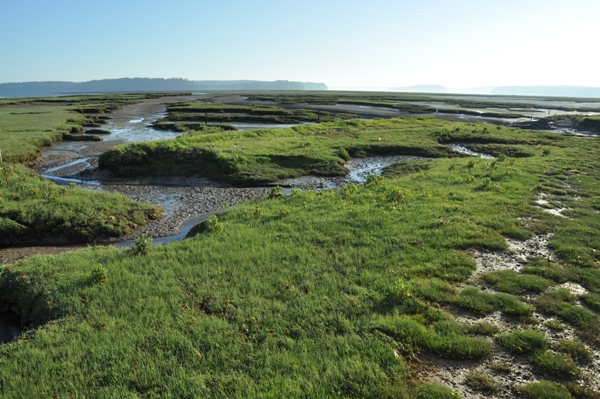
column 34, row 210
column 324, row 294
column 263, row 156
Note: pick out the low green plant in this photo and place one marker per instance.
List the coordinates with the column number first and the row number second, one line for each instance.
column 511, row 282
column 481, row 302
column 257, row 212
column 432, row 390
column 142, row 245
column 501, row 367
column 98, row 274
column 523, row 341
column 284, row 212
column 213, row 224
column 343, row 153
column 562, row 303
column 484, row 328
column 434, row 290
column 275, row 192
column 544, row 390
column 576, row 350
column 555, row 365
column 592, row 300
column 554, row 325
column 481, row 382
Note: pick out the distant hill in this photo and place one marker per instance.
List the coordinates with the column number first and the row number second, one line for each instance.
column 259, row 85
column 421, row 89
column 554, row 91
column 128, row 85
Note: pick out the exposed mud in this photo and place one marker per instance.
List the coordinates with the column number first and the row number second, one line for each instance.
column 507, row 371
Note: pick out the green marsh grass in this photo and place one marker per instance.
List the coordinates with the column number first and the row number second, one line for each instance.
column 576, row 350
column 523, row 341
column 513, row 283
column 555, row 365
column 545, row 390
column 35, row 210
column 332, row 300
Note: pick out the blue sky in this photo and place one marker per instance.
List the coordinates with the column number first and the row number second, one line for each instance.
column 343, row 43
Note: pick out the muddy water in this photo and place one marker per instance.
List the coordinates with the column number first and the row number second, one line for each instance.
column 359, row 170
column 460, row 148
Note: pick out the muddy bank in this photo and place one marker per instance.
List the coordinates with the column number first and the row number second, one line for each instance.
column 183, row 202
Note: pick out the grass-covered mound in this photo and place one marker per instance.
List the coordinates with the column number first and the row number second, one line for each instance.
column 315, row 294
column 263, row 156
column 34, row 210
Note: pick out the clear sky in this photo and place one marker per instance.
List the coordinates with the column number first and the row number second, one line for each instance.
column 342, row 43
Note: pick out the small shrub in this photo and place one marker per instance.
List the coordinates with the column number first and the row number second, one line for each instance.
column 142, row 245
column 275, row 192
column 471, row 164
column 213, row 224
column 72, row 185
column 257, row 212
column 373, row 180
column 556, row 365
column 501, row 158
column 523, row 341
column 546, row 152
column 98, row 274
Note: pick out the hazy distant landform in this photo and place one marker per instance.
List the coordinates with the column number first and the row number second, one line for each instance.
column 36, row 89
column 558, row 91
